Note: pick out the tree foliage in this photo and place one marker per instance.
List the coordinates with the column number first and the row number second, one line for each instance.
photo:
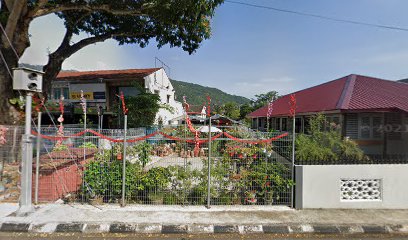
column 261, row 100
column 143, row 108
column 182, row 23
column 231, row 110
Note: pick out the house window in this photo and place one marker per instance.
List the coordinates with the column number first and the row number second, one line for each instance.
column 277, row 124
column 370, row 126
column 168, row 98
column 284, row 124
column 298, row 125
column 128, row 91
column 58, row 92
column 157, row 92
column 393, row 126
column 306, row 123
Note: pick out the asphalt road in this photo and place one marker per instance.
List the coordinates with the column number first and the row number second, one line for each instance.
column 32, row 236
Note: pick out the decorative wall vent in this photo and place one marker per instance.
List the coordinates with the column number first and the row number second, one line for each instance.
column 360, row 189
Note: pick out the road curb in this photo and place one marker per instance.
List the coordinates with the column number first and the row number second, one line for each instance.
column 75, row 227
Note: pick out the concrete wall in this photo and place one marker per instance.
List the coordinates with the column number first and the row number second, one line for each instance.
column 319, row 186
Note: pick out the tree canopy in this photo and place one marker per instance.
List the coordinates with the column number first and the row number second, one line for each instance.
column 261, row 100
column 144, row 108
column 181, row 23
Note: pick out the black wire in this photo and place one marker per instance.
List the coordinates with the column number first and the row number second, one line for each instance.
column 319, row 16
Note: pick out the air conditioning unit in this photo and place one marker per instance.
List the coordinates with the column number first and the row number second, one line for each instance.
column 27, row 79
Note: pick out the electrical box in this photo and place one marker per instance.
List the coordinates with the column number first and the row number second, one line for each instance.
column 27, row 79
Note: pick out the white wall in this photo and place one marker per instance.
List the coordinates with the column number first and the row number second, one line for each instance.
column 159, row 81
column 318, row 186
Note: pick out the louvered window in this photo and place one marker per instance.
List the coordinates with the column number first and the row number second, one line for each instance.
column 352, row 126
column 370, row 126
column 393, row 126
column 377, row 125
column 365, row 127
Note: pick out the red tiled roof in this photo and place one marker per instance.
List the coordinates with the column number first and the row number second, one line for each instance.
column 350, row 93
column 108, row 74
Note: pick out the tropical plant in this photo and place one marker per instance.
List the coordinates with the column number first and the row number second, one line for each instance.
column 88, row 145
column 144, row 151
column 326, row 144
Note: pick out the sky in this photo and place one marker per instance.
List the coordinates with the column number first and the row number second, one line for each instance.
column 254, row 50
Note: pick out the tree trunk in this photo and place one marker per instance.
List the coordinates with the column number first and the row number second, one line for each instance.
column 51, row 70
column 8, row 113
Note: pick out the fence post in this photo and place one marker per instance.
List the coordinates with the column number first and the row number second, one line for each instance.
column 209, row 166
column 37, row 161
column 293, row 161
column 124, row 165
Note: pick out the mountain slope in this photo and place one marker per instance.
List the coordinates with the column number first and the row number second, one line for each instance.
column 403, row 80
column 196, row 94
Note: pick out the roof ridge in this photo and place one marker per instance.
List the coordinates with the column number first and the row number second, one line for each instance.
column 345, row 97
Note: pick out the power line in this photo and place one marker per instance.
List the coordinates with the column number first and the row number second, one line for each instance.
column 320, row 16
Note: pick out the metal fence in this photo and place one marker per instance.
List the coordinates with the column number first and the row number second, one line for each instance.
column 10, row 159
column 169, row 165
column 367, row 159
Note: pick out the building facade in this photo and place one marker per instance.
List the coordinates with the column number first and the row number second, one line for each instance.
column 103, row 88
column 371, row 111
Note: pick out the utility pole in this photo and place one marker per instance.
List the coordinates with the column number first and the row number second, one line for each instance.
column 27, row 162
column 30, row 81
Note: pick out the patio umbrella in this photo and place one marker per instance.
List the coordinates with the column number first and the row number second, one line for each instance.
column 204, row 129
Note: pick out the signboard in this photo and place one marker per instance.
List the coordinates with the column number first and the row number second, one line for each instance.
column 77, row 95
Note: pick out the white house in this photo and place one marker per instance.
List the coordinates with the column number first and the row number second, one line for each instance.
column 102, row 88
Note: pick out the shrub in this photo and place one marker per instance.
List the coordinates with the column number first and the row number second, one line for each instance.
column 104, row 179
column 88, row 145
column 325, row 145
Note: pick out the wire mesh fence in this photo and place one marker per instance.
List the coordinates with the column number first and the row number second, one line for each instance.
column 10, row 155
column 167, row 165
column 164, row 165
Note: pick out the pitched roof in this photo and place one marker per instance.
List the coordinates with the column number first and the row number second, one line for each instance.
column 107, row 74
column 350, row 93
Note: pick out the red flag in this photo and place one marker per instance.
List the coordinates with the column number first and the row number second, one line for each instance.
column 292, row 104
column 125, row 110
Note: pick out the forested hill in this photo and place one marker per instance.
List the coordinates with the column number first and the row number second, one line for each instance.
column 404, row 80
column 196, row 94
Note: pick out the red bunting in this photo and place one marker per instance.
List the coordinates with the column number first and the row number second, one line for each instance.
column 195, row 141
column 209, row 106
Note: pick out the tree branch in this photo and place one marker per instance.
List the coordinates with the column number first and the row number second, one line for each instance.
column 102, row 7
column 91, row 40
column 87, row 41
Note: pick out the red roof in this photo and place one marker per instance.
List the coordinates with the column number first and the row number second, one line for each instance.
column 108, row 74
column 350, row 93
